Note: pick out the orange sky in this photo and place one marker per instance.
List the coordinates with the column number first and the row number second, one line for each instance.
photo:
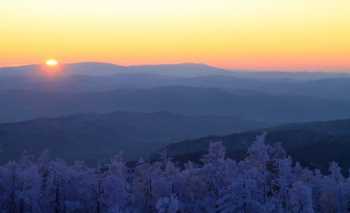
column 248, row 34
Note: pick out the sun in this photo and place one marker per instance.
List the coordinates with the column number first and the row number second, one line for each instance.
column 51, row 62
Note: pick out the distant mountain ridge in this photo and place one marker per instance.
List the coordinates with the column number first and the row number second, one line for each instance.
column 106, row 69
column 173, row 70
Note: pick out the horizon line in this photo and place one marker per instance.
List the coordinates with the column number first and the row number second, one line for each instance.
column 233, row 69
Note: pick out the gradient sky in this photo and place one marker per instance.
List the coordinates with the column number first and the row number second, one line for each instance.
column 248, row 34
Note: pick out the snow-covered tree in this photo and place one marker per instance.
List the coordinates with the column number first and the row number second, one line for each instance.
column 266, row 181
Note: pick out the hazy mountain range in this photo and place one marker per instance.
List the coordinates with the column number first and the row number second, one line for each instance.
column 274, row 109
column 96, row 77
column 91, row 110
column 106, row 69
column 180, row 70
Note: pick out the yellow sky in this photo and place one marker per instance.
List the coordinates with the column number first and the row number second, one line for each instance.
column 249, row 34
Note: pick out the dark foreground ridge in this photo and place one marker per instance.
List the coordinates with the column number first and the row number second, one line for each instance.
column 313, row 144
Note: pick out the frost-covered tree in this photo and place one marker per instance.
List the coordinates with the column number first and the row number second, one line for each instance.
column 168, row 205
column 266, row 181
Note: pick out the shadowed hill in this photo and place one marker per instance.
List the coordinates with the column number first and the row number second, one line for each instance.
column 94, row 137
column 315, row 143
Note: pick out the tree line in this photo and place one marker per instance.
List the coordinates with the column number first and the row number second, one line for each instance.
column 266, row 181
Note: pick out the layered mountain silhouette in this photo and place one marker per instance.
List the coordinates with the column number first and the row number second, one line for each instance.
column 273, row 109
column 96, row 77
column 76, row 108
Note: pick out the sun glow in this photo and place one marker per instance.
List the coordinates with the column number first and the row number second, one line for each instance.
column 52, row 62
column 52, row 68
column 242, row 34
